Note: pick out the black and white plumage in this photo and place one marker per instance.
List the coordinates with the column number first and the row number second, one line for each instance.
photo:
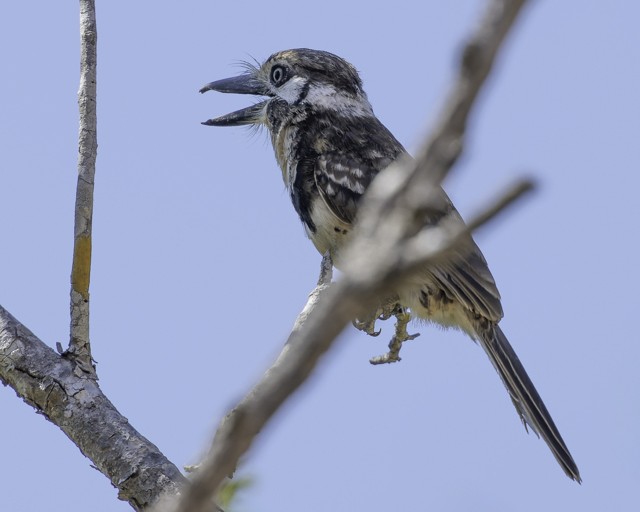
column 330, row 147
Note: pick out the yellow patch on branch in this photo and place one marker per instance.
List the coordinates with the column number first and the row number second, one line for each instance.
column 81, row 270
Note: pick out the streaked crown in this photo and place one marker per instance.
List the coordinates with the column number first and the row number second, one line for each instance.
column 315, row 67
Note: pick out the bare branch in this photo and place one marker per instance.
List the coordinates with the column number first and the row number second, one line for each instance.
column 394, row 200
column 328, row 311
column 242, row 424
column 47, row 382
column 58, row 387
column 79, row 346
column 389, row 217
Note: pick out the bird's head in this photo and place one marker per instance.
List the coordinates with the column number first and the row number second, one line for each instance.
column 298, row 83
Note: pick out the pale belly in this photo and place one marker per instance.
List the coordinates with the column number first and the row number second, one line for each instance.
column 331, row 233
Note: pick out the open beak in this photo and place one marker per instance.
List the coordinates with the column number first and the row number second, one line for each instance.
column 243, row 84
column 249, row 115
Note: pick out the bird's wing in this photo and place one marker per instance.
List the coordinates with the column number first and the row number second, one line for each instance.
column 342, row 180
column 464, row 276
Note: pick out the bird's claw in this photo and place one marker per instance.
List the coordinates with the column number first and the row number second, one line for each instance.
column 368, row 326
column 383, row 312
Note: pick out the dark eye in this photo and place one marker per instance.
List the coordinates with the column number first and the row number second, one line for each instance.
column 278, row 75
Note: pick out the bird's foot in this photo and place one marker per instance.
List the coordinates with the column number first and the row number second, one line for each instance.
column 401, row 335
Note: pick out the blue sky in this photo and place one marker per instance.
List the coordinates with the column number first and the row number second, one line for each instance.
column 200, row 264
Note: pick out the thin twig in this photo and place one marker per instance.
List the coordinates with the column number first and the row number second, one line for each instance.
column 426, row 245
column 389, row 217
column 79, row 346
column 508, row 197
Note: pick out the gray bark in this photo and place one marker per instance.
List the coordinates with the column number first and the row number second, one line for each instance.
column 54, row 386
column 79, row 346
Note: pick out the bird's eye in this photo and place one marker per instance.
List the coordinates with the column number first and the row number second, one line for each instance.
column 278, row 75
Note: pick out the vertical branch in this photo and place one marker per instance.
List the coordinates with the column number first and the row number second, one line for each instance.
column 79, row 346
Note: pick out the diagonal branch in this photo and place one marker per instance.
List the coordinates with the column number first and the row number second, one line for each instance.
column 79, row 346
column 396, row 198
column 328, row 311
column 48, row 383
column 389, row 217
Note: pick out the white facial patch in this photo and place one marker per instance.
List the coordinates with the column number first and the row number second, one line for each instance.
column 327, row 97
column 290, row 92
column 324, row 96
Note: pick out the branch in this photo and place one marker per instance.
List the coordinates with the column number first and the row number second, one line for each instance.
column 57, row 386
column 327, row 312
column 47, row 382
column 388, row 218
column 395, row 201
column 79, row 346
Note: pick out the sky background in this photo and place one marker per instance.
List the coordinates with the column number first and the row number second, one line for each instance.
column 201, row 265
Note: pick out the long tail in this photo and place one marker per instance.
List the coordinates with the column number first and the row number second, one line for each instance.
column 526, row 399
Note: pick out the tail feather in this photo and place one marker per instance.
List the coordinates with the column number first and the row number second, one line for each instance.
column 523, row 393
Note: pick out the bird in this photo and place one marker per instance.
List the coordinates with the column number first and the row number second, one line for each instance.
column 330, row 146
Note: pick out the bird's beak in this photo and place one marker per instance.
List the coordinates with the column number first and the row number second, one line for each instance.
column 243, row 84
column 249, row 115
column 246, row 83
